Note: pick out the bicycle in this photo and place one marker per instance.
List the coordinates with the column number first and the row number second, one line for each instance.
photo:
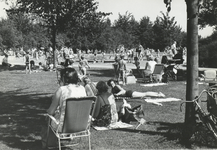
column 209, row 117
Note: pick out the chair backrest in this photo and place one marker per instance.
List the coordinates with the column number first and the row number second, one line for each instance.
column 158, row 69
column 210, row 74
column 77, row 114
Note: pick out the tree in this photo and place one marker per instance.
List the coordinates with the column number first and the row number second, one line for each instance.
column 10, row 35
column 166, row 31
column 58, row 15
column 145, row 33
column 208, row 13
column 127, row 25
column 192, row 64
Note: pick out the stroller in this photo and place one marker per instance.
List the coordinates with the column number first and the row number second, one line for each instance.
column 171, row 67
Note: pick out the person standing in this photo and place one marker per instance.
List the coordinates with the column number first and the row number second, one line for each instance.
column 27, row 62
column 173, row 48
column 83, row 64
column 122, row 67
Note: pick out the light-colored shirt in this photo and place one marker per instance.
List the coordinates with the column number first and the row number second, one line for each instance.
column 150, row 65
column 67, row 91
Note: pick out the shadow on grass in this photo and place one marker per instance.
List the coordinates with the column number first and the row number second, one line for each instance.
column 99, row 72
column 14, row 67
column 173, row 132
column 21, row 118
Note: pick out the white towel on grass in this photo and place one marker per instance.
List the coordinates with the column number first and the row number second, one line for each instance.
column 153, row 84
column 114, row 126
column 158, row 101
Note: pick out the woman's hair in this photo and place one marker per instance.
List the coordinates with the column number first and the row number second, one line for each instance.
column 71, row 76
column 101, row 86
column 109, row 82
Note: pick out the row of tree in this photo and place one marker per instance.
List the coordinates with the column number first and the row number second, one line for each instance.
column 82, row 27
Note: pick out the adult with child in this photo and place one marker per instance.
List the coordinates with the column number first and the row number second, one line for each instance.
column 104, row 116
column 89, row 87
column 117, row 90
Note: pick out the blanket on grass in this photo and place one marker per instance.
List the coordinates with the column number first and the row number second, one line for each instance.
column 114, row 126
column 158, row 101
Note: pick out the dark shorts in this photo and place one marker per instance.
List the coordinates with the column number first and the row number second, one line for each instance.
column 129, row 93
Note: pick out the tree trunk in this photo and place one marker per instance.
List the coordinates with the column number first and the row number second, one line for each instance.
column 192, row 67
column 54, row 46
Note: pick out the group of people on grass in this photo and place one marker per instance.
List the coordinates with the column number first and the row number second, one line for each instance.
column 75, row 86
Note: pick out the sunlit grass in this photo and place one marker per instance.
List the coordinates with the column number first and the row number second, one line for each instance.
column 25, row 97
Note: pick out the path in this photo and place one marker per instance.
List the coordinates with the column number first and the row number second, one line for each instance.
column 20, row 61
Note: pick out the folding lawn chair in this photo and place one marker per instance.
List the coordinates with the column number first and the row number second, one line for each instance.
column 76, row 123
column 209, row 75
column 158, row 72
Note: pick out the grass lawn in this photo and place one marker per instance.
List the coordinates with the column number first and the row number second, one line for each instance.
column 25, row 97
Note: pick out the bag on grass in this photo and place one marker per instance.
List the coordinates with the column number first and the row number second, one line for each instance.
column 133, row 114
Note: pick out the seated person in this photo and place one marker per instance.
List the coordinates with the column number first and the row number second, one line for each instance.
column 137, row 63
column 117, row 90
column 32, row 64
column 164, row 60
column 179, row 57
column 5, row 63
column 68, row 63
column 89, row 87
column 104, row 97
column 40, row 66
column 149, row 68
column 70, row 89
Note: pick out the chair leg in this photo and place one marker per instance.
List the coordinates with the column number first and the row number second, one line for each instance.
column 89, row 142
column 59, row 143
column 138, row 126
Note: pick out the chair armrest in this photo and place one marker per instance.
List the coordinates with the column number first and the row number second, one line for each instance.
column 52, row 118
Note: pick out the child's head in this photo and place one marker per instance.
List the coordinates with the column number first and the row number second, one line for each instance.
column 86, row 80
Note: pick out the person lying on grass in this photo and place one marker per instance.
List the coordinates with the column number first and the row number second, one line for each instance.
column 117, row 90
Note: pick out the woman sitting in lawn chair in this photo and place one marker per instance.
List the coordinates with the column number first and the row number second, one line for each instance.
column 117, row 90
column 71, row 89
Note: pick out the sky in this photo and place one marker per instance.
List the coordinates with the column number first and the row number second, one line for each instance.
column 139, row 9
